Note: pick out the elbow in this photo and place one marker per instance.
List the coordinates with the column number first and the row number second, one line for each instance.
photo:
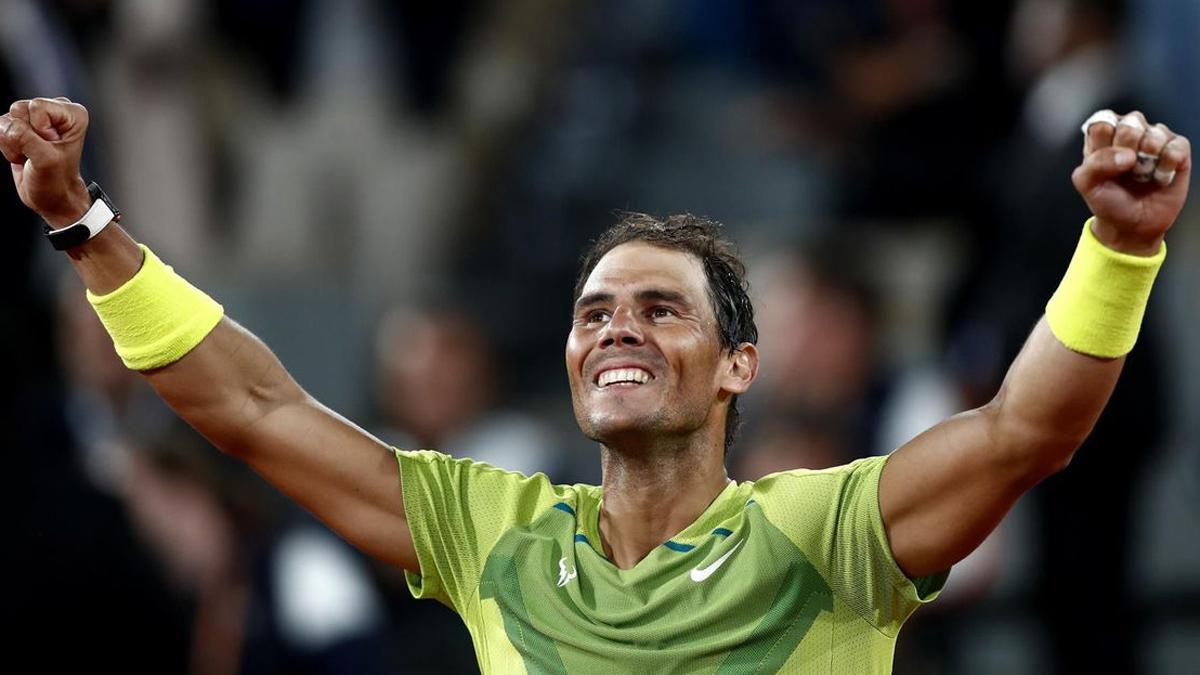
column 1034, row 448
column 1054, row 458
column 241, row 435
column 258, row 409
column 236, row 419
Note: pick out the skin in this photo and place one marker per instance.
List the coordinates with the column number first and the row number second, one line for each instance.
column 662, row 442
column 940, row 494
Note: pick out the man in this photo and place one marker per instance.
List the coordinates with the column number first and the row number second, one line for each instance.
column 669, row 566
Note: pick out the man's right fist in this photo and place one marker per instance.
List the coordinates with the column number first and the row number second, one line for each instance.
column 42, row 139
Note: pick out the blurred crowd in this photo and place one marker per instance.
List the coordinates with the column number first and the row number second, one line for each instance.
column 394, row 196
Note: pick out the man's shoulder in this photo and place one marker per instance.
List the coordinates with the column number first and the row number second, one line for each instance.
column 858, row 468
column 805, row 502
column 459, row 472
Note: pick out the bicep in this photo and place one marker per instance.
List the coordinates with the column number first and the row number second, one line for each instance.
column 232, row 389
column 943, row 492
column 341, row 474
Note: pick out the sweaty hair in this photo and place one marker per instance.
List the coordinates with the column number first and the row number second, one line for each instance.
column 726, row 275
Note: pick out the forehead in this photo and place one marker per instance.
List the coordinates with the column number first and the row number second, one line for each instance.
column 638, row 265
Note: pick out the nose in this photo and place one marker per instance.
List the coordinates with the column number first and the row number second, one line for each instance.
column 622, row 328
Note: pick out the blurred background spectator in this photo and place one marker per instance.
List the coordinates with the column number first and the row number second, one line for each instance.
column 437, row 388
column 270, row 590
column 817, row 324
column 896, row 171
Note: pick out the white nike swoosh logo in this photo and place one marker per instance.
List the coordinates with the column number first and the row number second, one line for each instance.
column 701, row 573
column 563, row 575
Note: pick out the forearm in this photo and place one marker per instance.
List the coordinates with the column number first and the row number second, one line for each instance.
column 1060, row 382
column 215, row 374
column 944, row 491
column 1049, row 402
column 107, row 260
column 227, row 386
column 224, row 385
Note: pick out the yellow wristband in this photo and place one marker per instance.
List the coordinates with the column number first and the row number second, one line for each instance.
column 1099, row 305
column 156, row 317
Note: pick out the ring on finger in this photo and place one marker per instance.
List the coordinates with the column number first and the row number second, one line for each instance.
column 1105, row 116
column 1146, row 165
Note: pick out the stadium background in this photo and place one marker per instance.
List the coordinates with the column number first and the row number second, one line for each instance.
column 394, row 196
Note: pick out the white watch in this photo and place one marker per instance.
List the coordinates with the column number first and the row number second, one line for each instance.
column 101, row 213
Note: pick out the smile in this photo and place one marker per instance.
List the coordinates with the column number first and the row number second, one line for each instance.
column 628, row 376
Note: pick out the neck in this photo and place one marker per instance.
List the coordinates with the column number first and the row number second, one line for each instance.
column 653, row 493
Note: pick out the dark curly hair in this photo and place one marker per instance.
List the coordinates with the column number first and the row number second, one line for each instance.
column 728, row 290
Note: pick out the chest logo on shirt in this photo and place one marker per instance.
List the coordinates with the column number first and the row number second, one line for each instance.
column 701, row 573
column 563, row 575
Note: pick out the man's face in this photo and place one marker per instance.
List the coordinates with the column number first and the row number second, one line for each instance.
column 643, row 357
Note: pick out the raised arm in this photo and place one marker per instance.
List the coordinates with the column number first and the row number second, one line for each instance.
column 942, row 493
column 230, row 387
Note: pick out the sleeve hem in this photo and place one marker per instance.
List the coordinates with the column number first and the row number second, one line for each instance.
column 423, row 583
column 924, row 589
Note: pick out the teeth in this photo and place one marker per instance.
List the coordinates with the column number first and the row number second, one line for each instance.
column 623, row 375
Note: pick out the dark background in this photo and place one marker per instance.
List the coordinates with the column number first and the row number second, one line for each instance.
column 394, row 196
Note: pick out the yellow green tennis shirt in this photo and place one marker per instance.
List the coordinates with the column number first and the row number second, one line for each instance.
column 790, row 573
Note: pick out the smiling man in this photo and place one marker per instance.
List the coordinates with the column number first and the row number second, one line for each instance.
column 668, row 566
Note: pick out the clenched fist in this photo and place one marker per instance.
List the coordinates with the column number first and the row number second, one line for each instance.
column 1134, row 178
column 42, row 139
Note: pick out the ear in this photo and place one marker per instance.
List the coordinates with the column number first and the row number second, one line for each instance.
column 741, row 367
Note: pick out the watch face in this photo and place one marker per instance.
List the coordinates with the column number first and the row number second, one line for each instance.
column 97, row 194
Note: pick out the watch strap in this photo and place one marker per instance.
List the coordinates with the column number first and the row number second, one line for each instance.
column 98, row 216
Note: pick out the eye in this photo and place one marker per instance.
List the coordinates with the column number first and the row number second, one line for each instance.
column 662, row 312
column 595, row 316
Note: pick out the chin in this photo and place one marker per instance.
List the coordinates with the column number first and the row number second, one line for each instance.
column 612, row 428
column 601, row 427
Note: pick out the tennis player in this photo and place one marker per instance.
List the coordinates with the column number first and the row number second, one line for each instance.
column 668, row 566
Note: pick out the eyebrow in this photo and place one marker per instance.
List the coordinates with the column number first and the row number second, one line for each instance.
column 592, row 299
column 647, row 295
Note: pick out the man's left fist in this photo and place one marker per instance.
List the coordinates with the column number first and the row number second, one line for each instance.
column 1134, row 178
